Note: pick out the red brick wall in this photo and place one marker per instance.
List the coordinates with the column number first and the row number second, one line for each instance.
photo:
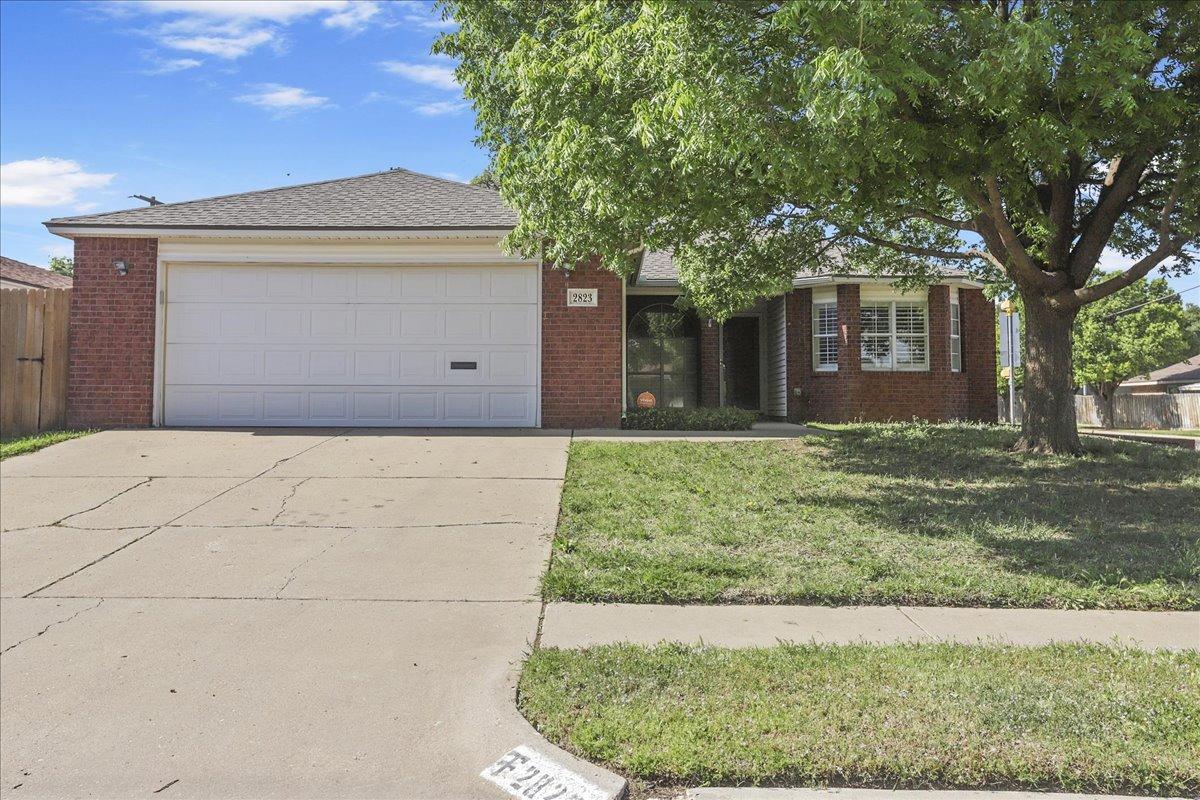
column 854, row 394
column 581, row 350
column 112, row 333
column 979, row 354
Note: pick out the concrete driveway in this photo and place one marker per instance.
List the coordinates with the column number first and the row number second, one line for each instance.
column 272, row 613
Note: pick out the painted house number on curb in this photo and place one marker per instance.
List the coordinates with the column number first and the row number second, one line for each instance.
column 524, row 772
column 582, row 297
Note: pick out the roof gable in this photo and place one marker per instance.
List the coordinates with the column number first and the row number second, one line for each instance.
column 393, row 200
column 28, row 274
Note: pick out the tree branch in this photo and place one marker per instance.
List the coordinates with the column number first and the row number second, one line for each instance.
column 1062, row 213
column 1018, row 263
column 1167, row 246
column 949, row 255
column 1124, row 176
column 953, row 224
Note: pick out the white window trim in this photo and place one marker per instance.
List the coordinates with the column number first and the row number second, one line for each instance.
column 893, row 336
column 955, row 338
column 818, row 304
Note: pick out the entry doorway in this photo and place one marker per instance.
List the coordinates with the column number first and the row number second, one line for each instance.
column 742, row 362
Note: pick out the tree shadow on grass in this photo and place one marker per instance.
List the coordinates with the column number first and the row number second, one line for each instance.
column 1124, row 514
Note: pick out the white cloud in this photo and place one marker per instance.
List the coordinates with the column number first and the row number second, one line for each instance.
column 353, row 18
column 283, row 100
column 46, row 182
column 168, row 66
column 424, row 16
column 58, row 250
column 441, row 108
column 231, row 29
column 452, row 176
column 435, row 75
column 222, row 45
column 280, row 11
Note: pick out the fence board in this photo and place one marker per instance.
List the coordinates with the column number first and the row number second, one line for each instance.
column 55, row 360
column 1133, row 411
column 33, row 359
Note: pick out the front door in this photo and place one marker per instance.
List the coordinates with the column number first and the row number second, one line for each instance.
column 741, row 355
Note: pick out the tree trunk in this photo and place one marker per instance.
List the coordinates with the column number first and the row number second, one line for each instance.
column 1105, row 394
column 1048, row 425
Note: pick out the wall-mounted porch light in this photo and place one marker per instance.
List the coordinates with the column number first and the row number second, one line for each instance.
column 121, row 266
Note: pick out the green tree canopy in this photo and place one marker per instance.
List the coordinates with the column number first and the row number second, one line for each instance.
column 63, row 265
column 1017, row 138
column 1139, row 329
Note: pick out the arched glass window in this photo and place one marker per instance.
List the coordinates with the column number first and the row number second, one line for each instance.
column 662, row 355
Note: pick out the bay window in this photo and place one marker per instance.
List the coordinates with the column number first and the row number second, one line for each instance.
column 894, row 334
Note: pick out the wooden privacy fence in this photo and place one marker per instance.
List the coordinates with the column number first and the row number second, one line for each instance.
column 33, row 359
column 1145, row 411
column 1135, row 411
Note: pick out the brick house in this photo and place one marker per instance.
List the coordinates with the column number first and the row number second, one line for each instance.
column 385, row 300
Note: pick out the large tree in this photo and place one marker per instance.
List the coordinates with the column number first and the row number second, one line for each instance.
column 1134, row 331
column 1019, row 138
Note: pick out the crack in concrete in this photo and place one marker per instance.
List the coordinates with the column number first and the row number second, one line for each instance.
column 178, row 517
column 52, row 625
column 290, row 495
column 918, row 625
column 292, row 575
column 59, row 522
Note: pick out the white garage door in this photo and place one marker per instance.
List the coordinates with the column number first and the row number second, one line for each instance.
column 372, row 346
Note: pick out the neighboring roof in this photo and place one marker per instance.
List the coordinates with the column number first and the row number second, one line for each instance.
column 28, row 274
column 658, row 269
column 393, row 200
column 1186, row 371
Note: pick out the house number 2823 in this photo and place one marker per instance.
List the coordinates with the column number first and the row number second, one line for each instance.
column 582, row 297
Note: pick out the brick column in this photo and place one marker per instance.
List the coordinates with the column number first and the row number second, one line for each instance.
column 799, row 353
column 846, row 400
column 581, row 350
column 942, row 398
column 710, row 363
column 979, row 353
column 111, row 381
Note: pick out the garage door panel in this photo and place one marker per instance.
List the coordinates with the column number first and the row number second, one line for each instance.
column 313, row 345
column 366, row 406
column 335, row 285
column 362, row 365
column 322, row 323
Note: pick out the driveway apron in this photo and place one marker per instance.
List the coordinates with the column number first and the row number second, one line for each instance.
column 272, row 613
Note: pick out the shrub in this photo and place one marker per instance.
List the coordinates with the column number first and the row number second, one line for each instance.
column 689, row 419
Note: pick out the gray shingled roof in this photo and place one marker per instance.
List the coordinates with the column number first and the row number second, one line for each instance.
column 1186, row 371
column 393, row 200
column 658, row 269
column 28, row 274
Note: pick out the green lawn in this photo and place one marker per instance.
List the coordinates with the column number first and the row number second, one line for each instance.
column 908, row 514
column 1061, row 718
column 27, row 444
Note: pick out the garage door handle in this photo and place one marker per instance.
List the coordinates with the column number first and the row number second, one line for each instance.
column 464, row 365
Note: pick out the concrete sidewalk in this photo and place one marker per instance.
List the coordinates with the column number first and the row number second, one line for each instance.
column 760, row 431
column 716, row 793
column 568, row 625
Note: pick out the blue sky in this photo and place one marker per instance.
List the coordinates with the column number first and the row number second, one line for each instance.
column 192, row 98
column 186, row 100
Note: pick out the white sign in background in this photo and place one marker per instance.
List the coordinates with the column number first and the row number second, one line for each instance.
column 582, row 297
column 1010, row 340
column 524, row 772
